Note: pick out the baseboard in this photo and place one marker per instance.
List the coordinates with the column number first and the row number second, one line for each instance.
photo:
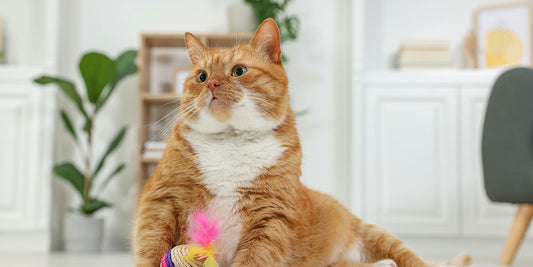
column 481, row 249
column 35, row 241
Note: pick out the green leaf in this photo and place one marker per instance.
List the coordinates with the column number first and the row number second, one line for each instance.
column 290, row 27
column 112, row 146
column 87, row 125
column 93, row 206
column 110, row 177
column 67, row 87
column 69, row 172
column 97, row 71
column 125, row 65
column 68, row 124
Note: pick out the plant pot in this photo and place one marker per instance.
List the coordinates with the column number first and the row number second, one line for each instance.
column 241, row 18
column 83, row 233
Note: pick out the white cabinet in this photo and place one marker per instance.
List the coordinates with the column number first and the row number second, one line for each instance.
column 411, row 166
column 422, row 172
column 19, row 145
column 25, row 161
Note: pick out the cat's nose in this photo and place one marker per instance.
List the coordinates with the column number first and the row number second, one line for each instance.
column 212, row 85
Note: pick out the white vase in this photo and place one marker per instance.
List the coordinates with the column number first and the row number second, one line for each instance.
column 241, row 18
column 83, row 233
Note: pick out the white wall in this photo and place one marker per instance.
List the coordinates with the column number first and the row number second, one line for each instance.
column 23, row 27
column 114, row 25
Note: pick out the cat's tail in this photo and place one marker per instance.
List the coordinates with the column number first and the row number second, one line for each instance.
column 378, row 244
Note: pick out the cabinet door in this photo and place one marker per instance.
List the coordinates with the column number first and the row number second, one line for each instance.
column 411, row 176
column 481, row 216
column 22, row 183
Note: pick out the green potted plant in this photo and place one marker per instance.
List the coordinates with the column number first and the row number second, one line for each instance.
column 101, row 76
column 288, row 24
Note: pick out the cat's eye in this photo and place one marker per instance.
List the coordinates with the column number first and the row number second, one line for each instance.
column 201, row 76
column 238, row 70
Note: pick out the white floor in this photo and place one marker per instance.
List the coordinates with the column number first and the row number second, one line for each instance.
column 67, row 260
column 101, row 260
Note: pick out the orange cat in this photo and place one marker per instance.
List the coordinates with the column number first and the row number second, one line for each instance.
column 235, row 152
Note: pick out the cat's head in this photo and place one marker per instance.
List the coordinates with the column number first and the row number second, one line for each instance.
column 244, row 88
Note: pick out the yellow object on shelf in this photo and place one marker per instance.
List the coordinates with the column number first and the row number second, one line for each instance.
column 503, row 48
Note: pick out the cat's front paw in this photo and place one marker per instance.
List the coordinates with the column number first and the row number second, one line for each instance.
column 385, row 263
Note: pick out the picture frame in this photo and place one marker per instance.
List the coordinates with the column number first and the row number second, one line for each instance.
column 504, row 35
column 178, row 78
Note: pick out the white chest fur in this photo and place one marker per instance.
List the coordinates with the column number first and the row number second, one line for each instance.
column 233, row 159
column 229, row 161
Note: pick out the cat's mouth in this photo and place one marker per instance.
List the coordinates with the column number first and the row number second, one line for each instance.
column 216, row 101
column 219, row 109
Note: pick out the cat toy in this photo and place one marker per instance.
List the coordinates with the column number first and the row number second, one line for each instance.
column 201, row 250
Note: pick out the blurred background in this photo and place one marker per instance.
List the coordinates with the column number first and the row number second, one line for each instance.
column 390, row 96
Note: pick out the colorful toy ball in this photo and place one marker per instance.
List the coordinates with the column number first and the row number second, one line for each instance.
column 201, row 251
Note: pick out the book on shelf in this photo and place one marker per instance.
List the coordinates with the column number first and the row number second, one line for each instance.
column 153, row 150
column 425, row 45
column 151, row 145
column 413, row 66
column 152, row 154
column 424, row 55
column 427, row 62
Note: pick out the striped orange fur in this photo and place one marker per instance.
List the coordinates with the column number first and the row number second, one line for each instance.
column 235, row 151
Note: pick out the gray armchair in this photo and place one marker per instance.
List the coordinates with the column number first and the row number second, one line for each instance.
column 507, row 150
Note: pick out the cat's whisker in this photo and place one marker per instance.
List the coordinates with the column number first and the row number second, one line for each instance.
column 270, row 95
column 173, row 115
column 270, row 105
column 266, row 101
column 268, row 114
column 186, row 108
column 190, row 111
column 168, row 124
column 173, row 102
column 156, row 122
column 188, row 114
column 165, row 130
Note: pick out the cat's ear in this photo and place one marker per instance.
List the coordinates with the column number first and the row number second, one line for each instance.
column 195, row 47
column 266, row 40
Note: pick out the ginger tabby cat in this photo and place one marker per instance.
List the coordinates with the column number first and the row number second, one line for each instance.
column 235, row 152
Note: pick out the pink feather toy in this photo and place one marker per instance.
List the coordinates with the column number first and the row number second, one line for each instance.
column 202, row 248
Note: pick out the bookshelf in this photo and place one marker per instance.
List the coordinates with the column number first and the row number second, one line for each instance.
column 151, row 98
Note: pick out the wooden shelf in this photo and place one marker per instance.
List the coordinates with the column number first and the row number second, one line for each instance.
column 178, row 40
column 160, row 98
column 163, row 40
column 150, row 160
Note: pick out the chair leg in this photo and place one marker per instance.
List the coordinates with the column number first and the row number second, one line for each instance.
column 516, row 234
